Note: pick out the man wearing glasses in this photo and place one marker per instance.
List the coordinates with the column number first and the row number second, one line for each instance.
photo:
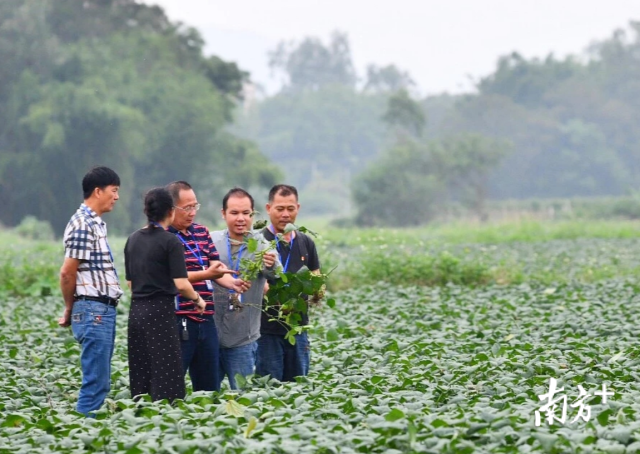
column 198, row 334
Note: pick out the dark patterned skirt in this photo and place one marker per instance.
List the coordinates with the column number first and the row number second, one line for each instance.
column 155, row 358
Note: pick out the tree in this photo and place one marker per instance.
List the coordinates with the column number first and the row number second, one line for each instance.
column 330, row 133
column 466, row 162
column 405, row 114
column 402, row 188
column 413, row 181
column 114, row 83
column 387, row 79
column 310, row 65
column 527, row 81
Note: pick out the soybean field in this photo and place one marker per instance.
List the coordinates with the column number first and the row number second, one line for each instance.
column 440, row 341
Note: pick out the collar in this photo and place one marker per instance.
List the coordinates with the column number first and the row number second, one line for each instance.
column 92, row 214
column 190, row 230
column 233, row 241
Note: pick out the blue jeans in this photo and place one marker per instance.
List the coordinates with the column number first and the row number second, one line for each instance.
column 283, row 361
column 94, row 327
column 237, row 360
column 200, row 354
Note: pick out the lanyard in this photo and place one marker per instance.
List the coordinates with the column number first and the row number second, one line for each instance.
column 191, row 250
column 158, row 225
column 235, row 267
column 113, row 262
column 286, row 264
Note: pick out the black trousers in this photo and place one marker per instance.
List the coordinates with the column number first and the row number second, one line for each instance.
column 155, row 358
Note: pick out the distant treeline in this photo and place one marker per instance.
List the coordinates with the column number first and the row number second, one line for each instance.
column 535, row 128
column 112, row 82
column 115, row 82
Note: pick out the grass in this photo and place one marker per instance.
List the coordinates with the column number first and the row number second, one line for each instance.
column 508, row 253
column 494, row 233
column 465, row 254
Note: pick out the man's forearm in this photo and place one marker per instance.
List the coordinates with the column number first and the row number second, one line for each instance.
column 68, row 288
column 212, row 272
column 198, row 276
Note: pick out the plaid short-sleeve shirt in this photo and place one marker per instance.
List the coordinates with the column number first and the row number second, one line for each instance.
column 85, row 239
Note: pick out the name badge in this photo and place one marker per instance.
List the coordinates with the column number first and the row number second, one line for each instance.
column 208, row 282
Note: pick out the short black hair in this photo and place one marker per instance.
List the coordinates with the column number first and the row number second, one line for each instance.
column 283, row 190
column 98, row 177
column 235, row 192
column 158, row 204
column 175, row 187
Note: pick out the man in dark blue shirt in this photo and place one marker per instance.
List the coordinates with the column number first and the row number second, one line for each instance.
column 276, row 356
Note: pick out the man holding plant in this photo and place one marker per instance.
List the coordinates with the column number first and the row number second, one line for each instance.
column 238, row 316
column 278, row 357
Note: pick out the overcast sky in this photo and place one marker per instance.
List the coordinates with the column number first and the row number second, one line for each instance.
column 442, row 44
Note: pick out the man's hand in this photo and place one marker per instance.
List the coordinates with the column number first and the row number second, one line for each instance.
column 200, row 304
column 218, row 269
column 269, row 259
column 65, row 320
column 241, row 286
column 68, row 273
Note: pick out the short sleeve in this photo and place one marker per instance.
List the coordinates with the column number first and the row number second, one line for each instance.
column 213, row 252
column 79, row 241
column 127, row 272
column 177, row 264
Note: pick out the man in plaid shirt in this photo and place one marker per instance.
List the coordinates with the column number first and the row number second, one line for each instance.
column 90, row 286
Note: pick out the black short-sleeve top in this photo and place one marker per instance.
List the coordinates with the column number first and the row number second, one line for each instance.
column 153, row 258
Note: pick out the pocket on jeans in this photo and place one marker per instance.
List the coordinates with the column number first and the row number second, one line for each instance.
column 77, row 326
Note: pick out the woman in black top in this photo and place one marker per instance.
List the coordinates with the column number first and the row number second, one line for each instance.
column 156, row 273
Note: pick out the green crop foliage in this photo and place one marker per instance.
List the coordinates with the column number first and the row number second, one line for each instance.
column 394, row 368
column 447, row 351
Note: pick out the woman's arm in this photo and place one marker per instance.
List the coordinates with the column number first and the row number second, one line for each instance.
column 186, row 289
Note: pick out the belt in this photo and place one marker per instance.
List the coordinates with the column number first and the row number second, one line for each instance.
column 100, row 299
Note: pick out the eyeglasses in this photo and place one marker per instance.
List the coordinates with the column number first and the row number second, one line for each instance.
column 190, row 208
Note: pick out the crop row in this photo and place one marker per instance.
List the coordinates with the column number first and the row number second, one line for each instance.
column 394, row 369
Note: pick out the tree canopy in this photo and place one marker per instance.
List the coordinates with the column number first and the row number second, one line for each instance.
column 569, row 124
column 116, row 83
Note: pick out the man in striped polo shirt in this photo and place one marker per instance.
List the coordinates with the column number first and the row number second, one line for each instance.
column 90, row 286
column 198, row 334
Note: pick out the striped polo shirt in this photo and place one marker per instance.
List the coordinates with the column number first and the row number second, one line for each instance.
column 85, row 239
column 199, row 250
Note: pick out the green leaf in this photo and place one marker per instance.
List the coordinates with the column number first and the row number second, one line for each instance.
column 332, row 335
column 252, row 245
column 331, row 303
column 291, row 337
column 233, row 408
column 253, row 423
column 615, row 357
column 14, row 420
column 546, row 440
column 394, row 415
column 603, row 417
column 241, row 381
